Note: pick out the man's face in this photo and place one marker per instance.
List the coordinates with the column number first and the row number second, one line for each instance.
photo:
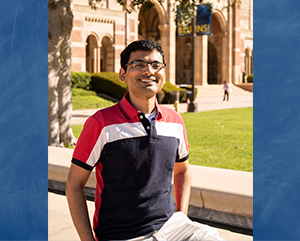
column 146, row 82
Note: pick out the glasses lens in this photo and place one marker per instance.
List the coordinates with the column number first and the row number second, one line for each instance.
column 143, row 65
column 139, row 65
column 156, row 65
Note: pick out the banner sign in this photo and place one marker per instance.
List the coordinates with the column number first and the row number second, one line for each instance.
column 203, row 23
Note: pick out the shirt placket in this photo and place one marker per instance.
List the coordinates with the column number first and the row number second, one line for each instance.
column 149, row 126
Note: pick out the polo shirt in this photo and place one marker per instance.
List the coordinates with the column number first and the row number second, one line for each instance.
column 133, row 159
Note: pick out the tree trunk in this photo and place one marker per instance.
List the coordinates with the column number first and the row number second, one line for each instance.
column 60, row 22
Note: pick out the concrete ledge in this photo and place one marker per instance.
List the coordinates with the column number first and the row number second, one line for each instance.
column 218, row 195
column 61, row 226
column 59, row 161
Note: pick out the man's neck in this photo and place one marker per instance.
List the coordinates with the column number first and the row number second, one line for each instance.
column 144, row 105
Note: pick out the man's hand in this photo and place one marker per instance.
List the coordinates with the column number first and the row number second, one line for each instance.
column 182, row 185
column 77, row 179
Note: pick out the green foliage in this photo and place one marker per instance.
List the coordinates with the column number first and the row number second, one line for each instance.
column 77, row 129
column 86, row 99
column 82, row 92
column 232, row 3
column 222, row 138
column 138, row 4
column 250, row 78
column 80, row 79
column 109, row 83
column 184, row 12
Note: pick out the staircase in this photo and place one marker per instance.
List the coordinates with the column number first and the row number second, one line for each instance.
column 217, row 90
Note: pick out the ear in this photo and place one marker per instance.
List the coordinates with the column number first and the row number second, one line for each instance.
column 122, row 74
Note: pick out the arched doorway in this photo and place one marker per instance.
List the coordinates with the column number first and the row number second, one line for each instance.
column 210, row 53
column 248, row 62
column 91, row 54
column 212, row 65
column 184, row 60
column 214, row 52
column 107, row 55
column 148, row 25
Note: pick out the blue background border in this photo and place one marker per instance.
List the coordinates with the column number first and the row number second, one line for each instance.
column 276, row 120
column 23, row 120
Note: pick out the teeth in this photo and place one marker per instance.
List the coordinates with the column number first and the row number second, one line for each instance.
column 146, row 80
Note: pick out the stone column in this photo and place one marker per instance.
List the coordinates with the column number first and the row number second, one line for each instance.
column 230, row 31
column 249, row 63
column 201, row 55
column 224, row 56
column 198, row 60
column 113, row 58
column 172, row 49
column 99, row 59
column 164, row 28
column 95, row 60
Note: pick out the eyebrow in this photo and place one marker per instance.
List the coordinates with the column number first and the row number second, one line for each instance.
column 155, row 61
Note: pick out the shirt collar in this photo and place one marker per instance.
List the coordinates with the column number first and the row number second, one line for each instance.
column 130, row 112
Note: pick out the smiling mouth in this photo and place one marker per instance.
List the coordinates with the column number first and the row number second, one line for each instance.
column 148, row 80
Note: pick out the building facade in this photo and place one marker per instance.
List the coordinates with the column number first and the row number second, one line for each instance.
column 102, row 29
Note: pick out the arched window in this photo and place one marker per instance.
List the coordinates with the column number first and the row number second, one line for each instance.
column 107, row 55
column 248, row 62
column 91, row 54
column 148, row 24
column 212, row 64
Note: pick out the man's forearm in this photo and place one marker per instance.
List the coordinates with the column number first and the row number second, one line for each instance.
column 79, row 212
column 182, row 186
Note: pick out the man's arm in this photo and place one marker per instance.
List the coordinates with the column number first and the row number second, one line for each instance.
column 182, row 185
column 77, row 179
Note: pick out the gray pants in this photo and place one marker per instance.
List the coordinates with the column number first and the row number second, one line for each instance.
column 180, row 228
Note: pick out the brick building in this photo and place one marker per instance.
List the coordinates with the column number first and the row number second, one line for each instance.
column 100, row 34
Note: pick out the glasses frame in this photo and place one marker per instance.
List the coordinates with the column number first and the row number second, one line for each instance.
column 156, row 62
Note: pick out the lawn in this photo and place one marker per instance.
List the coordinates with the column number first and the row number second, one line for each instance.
column 83, row 99
column 221, row 138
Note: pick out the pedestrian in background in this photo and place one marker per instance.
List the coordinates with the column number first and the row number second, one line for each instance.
column 227, row 90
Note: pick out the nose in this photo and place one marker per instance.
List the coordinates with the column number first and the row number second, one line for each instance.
column 149, row 69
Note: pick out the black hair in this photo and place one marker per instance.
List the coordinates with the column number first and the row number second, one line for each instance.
column 140, row 45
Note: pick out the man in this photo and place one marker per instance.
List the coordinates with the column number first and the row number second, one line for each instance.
column 136, row 147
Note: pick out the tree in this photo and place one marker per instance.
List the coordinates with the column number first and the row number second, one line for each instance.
column 60, row 20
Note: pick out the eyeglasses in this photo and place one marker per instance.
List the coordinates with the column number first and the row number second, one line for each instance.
column 140, row 65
